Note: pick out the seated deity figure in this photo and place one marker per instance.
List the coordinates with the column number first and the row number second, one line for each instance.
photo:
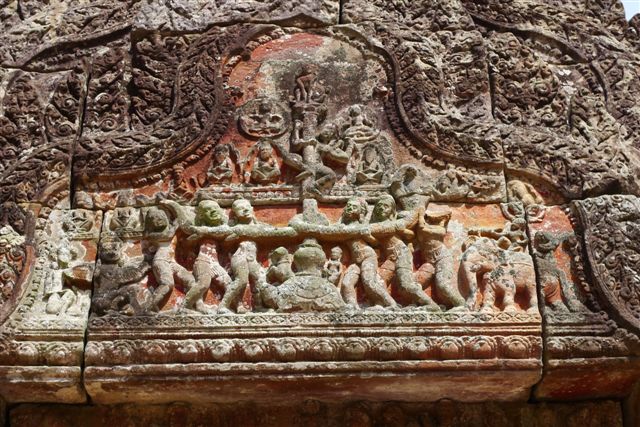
column 61, row 299
column 370, row 170
column 266, row 169
column 436, row 257
column 206, row 267
column 159, row 233
column 386, row 227
column 354, row 230
column 222, row 166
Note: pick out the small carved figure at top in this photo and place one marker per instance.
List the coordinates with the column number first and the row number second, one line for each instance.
column 553, row 280
column 265, row 168
column 388, row 229
column 307, row 89
column 333, row 268
column 222, row 166
column 158, row 233
column 436, row 257
column 370, row 169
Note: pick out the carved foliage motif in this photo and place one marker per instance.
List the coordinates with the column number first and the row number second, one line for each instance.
column 613, row 224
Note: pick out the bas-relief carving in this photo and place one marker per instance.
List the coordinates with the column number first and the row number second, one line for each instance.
column 314, row 177
column 229, row 252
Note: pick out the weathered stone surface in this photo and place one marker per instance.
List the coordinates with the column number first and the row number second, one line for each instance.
column 198, row 15
column 581, row 341
column 316, row 413
column 404, row 207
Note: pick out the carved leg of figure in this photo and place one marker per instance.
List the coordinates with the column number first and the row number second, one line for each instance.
column 444, row 284
column 412, row 290
column 189, row 282
column 573, row 302
column 373, row 284
column 468, row 272
column 349, row 281
column 425, row 274
column 163, row 272
column 386, row 271
column 233, row 293
column 533, row 296
column 256, row 279
column 551, row 293
column 325, row 178
column 509, row 288
column 203, row 272
column 489, row 298
column 68, row 300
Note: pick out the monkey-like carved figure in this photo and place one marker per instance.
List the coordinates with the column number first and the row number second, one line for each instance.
column 553, row 281
column 159, row 233
column 387, row 227
column 436, row 257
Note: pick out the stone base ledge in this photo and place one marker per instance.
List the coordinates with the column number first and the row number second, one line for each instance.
column 429, row 381
column 62, row 384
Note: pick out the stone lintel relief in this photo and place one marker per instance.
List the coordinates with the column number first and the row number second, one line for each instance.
column 310, row 226
column 384, row 206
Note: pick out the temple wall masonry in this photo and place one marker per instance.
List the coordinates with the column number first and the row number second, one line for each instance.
column 319, row 212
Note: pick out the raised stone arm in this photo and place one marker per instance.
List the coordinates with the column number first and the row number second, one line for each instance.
column 401, row 225
column 333, row 232
column 493, row 233
column 184, row 217
column 256, row 232
column 199, row 232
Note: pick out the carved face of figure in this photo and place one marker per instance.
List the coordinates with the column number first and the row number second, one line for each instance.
column 265, row 152
column 110, row 252
column 209, row 213
column 385, row 209
column 242, row 210
column 221, row 153
column 353, row 210
column 370, row 155
column 336, row 253
column 64, row 256
column 156, row 220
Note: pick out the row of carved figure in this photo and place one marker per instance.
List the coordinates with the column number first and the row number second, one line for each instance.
column 494, row 267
